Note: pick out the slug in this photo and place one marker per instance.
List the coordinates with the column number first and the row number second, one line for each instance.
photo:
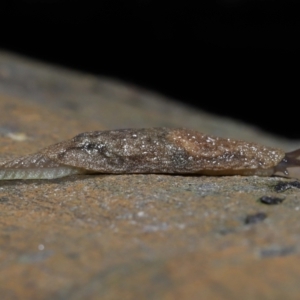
column 152, row 150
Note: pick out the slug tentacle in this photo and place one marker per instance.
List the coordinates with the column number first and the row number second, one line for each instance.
column 152, row 150
column 289, row 166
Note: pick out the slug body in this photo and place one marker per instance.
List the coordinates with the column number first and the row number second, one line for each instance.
column 152, row 150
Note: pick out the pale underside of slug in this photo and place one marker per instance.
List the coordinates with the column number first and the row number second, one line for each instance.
column 152, row 150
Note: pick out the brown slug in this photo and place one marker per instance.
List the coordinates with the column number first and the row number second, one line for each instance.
column 152, row 150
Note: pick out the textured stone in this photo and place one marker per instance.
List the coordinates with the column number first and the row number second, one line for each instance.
column 133, row 236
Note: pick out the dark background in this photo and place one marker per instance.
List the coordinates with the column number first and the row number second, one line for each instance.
column 230, row 57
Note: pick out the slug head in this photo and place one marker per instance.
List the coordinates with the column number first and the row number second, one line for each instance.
column 289, row 165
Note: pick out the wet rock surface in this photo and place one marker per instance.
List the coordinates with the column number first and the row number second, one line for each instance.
column 134, row 236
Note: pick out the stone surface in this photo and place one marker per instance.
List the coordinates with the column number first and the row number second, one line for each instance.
column 134, row 236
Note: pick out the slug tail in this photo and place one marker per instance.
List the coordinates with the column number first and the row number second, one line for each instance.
column 35, row 166
column 45, row 173
column 289, row 166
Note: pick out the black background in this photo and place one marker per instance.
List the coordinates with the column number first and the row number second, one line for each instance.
column 230, row 57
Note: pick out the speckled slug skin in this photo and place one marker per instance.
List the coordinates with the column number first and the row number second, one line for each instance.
column 161, row 150
column 151, row 150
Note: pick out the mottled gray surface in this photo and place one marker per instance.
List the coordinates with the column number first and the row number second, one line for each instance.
column 140, row 236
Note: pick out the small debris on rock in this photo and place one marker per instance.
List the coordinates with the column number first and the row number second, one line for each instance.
column 271, row 200
column 255, row 218
column 277, row 251
column 18, row 136
column 283, row 186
